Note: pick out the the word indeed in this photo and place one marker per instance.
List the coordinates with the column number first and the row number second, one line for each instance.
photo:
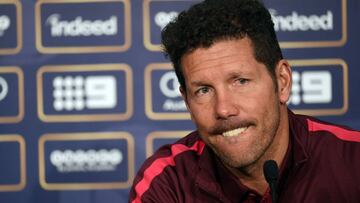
column 80, row 27
column 297, row 22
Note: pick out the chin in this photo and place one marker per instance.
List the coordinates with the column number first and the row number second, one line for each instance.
column 234, row 159
column 239, row 163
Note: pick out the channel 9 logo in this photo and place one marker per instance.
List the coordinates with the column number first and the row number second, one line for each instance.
column 320, row 87
column 79, row 93
column 84, row 92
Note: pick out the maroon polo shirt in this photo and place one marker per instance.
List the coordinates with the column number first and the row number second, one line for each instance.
column 322, row 164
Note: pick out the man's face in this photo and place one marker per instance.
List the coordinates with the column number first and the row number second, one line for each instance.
column 233, row 101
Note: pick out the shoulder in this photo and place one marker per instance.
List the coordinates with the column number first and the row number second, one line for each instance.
column 310, row 127
column 340, row 133
column 328, row 140
column 166, row 168
column 332, row 155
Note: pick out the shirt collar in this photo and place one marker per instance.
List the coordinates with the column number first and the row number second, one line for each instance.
column 299, row 134
column 206, row 177
column 215, row 179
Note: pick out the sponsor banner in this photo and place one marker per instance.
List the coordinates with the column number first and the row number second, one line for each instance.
column 163, row 100
column 301, row 24
column 11, row 94
column 13, row 168
column 10, row 27
column 79, row 161
column 157, row 139
column 82, row 26
column 79, row 93
column 320, row 87
column 157, row 14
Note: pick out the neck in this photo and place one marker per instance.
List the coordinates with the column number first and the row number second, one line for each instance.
column 252, row 175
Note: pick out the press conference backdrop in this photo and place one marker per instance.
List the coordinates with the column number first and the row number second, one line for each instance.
column 86, row 94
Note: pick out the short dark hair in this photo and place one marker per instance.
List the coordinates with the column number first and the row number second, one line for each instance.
column 214, row 20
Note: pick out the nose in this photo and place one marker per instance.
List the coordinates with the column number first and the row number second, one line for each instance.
column 225, row 105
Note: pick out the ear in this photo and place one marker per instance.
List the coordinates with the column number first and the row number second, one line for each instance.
column 284, row 80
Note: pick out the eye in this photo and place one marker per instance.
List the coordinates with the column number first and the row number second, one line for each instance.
column 242, row 81
column 202, row 91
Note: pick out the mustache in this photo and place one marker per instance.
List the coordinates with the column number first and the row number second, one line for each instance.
column 223, row 126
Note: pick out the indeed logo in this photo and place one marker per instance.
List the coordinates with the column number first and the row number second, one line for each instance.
column 4, row 24
column 296, row 22
column 86, row 161
column 80, row 27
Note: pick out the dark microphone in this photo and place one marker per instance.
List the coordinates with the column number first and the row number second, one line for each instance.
column 271, row 176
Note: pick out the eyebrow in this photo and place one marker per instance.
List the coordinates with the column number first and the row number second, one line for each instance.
column 230, row 76
column 198, row 83
column 235, row 74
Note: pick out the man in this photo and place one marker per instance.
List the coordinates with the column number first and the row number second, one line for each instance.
column 236, row 83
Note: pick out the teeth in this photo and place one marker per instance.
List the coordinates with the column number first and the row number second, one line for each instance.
column 234, row 132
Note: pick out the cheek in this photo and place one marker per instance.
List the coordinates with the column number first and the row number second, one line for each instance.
column 201, row 115
column 270, row 112
column 262, row 104
column 258, row 99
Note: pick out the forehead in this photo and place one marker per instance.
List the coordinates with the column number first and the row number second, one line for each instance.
column 225, row 54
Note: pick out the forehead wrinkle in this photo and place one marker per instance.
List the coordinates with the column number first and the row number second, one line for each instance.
column 215, row 59
column 204, row 65
column 217, row 52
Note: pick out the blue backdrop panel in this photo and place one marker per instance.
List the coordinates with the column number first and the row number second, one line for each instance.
column 86, row 94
